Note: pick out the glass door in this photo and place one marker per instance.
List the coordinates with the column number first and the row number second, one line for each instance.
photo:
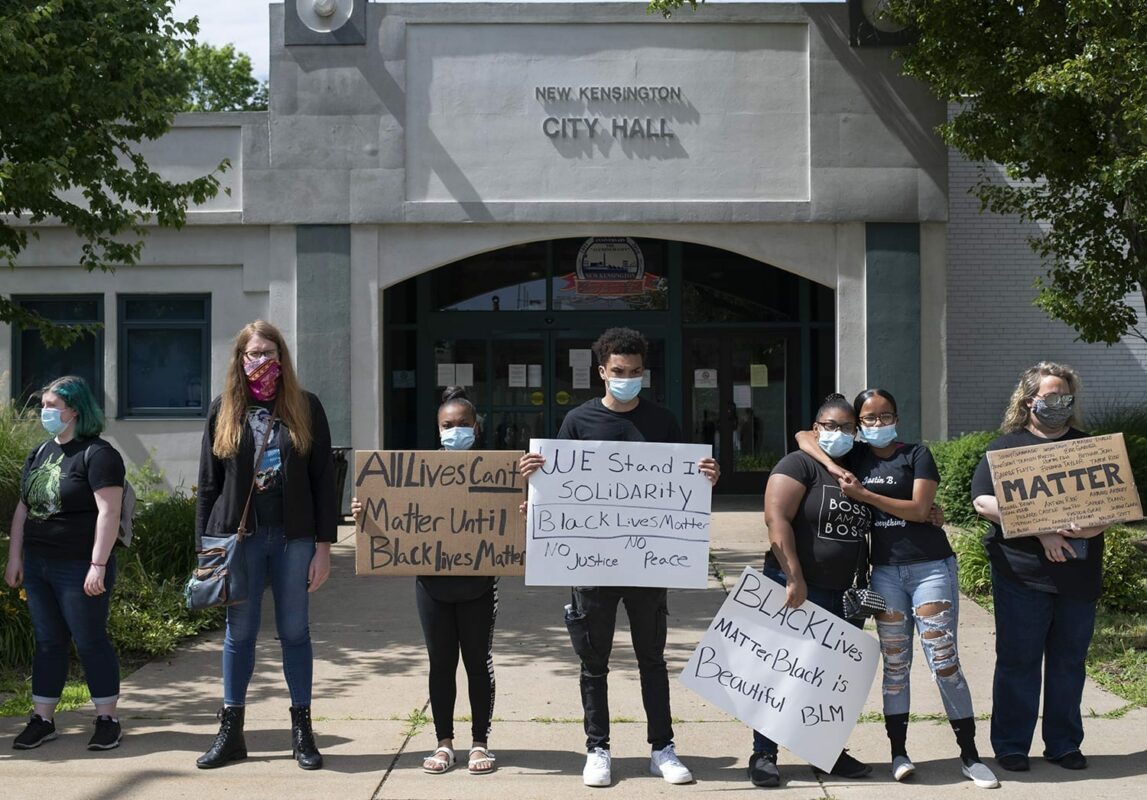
column 737, row 399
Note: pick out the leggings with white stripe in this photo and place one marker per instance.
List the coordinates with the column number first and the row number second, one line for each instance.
column 450, row 628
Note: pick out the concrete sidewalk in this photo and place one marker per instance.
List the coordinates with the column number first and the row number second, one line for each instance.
column 370, row 696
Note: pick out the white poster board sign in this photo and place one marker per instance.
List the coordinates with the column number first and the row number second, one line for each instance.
column 618, row 514
column 799, row 676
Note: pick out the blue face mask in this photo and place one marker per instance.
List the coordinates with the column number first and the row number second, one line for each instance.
column 879, row 437
column 460, row 438
column 624, row 389
column 835, row 443
column 50, row 419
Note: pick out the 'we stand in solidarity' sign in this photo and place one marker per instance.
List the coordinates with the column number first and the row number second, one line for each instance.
column 618, row 514
column 798, row 675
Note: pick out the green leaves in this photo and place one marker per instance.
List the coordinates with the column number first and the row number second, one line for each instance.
column 82, row 83
column 1056, row 93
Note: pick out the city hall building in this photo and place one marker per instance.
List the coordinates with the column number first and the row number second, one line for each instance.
column 469, row 193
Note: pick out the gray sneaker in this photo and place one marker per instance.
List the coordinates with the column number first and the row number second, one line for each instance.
column 903, row 768
column 979, row 773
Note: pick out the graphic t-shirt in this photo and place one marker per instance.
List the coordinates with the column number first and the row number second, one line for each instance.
column 648, row 422
column 58, row 489
column 1022, row 559
column 830, row 529
column 895, row 540
column 268, row 498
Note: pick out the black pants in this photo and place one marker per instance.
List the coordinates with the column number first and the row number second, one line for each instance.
column 591, row 620
column 449, row 628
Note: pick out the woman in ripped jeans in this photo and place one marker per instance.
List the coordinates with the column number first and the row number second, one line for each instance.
column 914, row 570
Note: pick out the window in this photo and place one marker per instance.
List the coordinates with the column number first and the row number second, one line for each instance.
column 164, row 355
column 34, row 364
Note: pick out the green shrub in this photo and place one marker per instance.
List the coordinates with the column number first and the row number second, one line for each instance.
column 1131, row 421
column 148, row 617
column 972, row 564
column 957, row 460
column 19, row 433
column 1124, row 570
column 165, row 537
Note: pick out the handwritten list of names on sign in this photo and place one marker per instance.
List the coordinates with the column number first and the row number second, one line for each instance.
column 439, row 513
column 800, row 676
column 1050, row 486
column 618, row 514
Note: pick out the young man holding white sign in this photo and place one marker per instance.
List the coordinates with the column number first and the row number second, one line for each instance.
column 1045, row 589
column 622, row 416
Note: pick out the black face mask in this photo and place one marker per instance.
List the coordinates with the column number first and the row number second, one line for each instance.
column 1052, row 417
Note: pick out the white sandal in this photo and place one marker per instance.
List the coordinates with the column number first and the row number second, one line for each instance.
column 483, row 755
column 435, row 764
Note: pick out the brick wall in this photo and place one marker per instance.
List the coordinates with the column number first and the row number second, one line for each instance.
column 994, row 331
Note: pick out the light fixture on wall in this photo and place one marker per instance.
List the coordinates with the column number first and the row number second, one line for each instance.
column 324, row 16
column 869, row 25
column 325, row 22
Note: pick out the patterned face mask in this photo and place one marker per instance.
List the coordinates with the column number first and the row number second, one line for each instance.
column 263, row 377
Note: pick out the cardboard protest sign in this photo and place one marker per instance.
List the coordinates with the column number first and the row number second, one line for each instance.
column 439, row 513
column 799, row 676
column 618, row 514
column 1049, row 486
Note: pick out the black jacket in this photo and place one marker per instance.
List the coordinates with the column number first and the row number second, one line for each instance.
column 309, row 505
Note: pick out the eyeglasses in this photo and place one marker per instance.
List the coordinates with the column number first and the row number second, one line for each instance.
column 255, row 355
column 887, row 418
column 1057, row 400
column 832, row 427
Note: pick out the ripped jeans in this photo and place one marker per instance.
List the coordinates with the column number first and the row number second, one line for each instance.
column 923, row 597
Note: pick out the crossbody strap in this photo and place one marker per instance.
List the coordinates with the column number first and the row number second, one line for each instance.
column 254, row 476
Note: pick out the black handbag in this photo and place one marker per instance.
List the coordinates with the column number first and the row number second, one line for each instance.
column 220, row 576
column 859, row 600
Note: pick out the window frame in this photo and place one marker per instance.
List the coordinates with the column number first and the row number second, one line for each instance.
column 124, row 327
column 97, row 385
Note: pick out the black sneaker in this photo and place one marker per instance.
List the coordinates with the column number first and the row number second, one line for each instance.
column 39, row 730
column 848, row 767
column 763, row 769
column 1014, row 762
column 107, row 734
column 1072, row 760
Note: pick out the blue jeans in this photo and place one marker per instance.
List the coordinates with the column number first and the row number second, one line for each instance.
column 828, row 599
column 906, row 588
column 61, row 612
column 1037, row 629
column 286, row 561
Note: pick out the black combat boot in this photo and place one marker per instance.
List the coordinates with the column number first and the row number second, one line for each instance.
column 229, row 744
column 303, row 739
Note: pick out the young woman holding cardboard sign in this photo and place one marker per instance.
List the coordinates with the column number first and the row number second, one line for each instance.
column 914, row 570
column 1045, row 589
column 457, row 613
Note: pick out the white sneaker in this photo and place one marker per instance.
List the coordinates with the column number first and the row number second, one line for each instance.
column 597, row 772
column 664, row 762
column 902, row 768
column 980, row 774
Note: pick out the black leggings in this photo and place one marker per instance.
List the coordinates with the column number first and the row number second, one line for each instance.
column 449, row 627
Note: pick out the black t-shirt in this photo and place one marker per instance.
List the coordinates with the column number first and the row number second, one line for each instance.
column 1022, row 559
column 895, row 540
column 830, row 529
column 58, row 490
column 648, row 422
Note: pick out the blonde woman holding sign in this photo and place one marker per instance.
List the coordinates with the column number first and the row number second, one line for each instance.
column 1045, row 589
column 457, row 613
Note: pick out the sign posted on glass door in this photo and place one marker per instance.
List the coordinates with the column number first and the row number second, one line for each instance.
column 618, row 514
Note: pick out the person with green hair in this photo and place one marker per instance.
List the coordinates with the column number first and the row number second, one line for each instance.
column 60, row 551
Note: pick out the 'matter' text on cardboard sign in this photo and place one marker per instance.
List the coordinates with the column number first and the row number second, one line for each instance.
column 439, row 513
column 1050, row 486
